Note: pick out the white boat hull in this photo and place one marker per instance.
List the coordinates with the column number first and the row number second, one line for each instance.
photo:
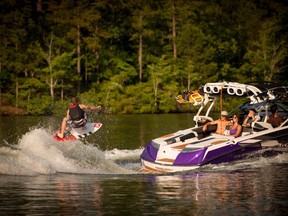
column 150, row 167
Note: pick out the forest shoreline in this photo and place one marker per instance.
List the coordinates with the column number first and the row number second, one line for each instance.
column 12, row 111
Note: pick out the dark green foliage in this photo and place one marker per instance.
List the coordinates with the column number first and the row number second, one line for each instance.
column 40, row 105
column 51, row 50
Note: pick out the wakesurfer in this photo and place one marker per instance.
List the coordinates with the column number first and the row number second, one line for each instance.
column 76, row 116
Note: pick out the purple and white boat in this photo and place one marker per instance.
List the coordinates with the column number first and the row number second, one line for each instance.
column 191, row 148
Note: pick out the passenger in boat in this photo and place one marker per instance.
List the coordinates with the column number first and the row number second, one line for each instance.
column 251, row 117
column 274, row 119
column 221, row 123
column 76, row 116
column 235, row 127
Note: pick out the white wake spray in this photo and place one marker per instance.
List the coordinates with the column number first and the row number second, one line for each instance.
column 38, row 153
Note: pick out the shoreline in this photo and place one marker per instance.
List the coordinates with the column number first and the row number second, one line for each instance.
column 12, row 111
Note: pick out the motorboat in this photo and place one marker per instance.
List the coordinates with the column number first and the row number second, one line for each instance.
column 191, row 148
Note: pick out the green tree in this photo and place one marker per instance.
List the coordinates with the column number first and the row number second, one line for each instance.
column 135, row 56
column 58, row 63
column 141, row 11
column 159, row 72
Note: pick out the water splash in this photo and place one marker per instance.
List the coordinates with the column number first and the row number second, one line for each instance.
column 130, row 159
column 38, row 153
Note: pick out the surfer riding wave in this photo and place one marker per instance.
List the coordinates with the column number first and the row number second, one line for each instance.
column 76, row 116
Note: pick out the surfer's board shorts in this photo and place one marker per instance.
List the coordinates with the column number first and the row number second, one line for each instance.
column 77, row 123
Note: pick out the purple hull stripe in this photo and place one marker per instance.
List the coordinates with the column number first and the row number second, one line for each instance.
column 190, row 158
column 228, row 154
column 234, row 156
column 149, row 153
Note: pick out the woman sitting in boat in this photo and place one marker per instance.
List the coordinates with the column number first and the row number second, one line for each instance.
column 235, row 127
column 221, row 123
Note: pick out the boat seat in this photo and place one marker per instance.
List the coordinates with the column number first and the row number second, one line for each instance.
column 172, row 139
column 246, row 130
column 202, row 134
column 198, row 129
column 187, row 136
column 260, row 126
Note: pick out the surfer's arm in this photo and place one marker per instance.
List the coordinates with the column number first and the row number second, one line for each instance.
column 83, row 106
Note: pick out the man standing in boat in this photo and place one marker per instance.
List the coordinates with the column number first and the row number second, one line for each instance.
column 221, row 123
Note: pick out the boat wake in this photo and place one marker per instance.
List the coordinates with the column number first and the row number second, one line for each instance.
column 38, row 153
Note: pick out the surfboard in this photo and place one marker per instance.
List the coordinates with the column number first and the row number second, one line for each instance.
column 78, row 133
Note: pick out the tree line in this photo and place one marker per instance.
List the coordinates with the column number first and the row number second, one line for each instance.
column 135, row 56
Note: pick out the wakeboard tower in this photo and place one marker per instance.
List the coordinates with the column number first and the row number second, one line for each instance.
column 78, row 133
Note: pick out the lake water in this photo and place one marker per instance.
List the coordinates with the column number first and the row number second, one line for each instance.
column 101, row 174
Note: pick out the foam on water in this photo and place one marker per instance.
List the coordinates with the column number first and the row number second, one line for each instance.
column 130, row 159
column 38, row 153
column 117, row 154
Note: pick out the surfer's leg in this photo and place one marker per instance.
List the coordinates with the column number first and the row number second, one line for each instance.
column 63, row 127
column 84, row 122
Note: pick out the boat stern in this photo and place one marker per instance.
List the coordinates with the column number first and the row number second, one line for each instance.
column 169, row 158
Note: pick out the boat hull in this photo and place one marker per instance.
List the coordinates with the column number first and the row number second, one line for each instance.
column 151, row 167
column 180, row 156
column 192, row 160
